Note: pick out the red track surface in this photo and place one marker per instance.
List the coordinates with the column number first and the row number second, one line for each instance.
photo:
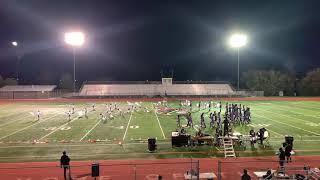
column 145, row 169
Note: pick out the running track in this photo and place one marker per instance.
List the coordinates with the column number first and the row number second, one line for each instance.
column 145, row 169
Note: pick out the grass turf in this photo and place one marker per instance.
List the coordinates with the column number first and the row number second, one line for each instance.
column 23, row 138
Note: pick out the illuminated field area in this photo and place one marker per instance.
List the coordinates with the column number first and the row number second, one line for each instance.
column 124, row 135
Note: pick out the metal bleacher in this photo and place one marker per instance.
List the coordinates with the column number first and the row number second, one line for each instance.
column 27, row 92
column 155, row 89
column 27, row 88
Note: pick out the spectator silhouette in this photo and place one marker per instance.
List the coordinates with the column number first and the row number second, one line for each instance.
column 65, row 164
column 245, row 175
column 282, row 157
column 287, row 151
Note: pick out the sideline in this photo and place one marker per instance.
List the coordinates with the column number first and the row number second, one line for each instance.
column 164, row 137
column 125, row 133
column 19, row 130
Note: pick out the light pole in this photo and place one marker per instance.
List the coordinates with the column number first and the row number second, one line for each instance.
column 237, row 41
column 15, row 45
column 75, row 39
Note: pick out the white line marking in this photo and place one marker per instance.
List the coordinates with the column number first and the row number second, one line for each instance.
column 308, row 105
column 8, row 116
column 159, row 123
column 10, row 122
column 11, row 114
column 125, row 133
column 290, row 106
column 90, row 130
column 289, row 125
column 113, row 144
column 27, row 127
column 58, row 128
column 284, row 108
column 286, row 116
column 272, row 130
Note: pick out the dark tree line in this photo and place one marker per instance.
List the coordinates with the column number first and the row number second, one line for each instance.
column 7, row 81
column 271, row 82
column 310, row 84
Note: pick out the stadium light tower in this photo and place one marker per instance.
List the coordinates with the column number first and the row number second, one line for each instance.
column 238, row 40
column 15, row 45
column 74, row 39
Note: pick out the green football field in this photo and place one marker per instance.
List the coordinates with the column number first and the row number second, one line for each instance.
column 124, row 135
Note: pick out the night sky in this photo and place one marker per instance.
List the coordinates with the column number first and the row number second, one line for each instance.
column 135, row 40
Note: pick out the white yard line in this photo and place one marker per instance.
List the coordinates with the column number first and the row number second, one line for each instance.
column 285, row 108
column 73, row 145
column 77, row 117
column 287, row 116
column 113, row 144
column 164, row 137
column 272, row 130
column 289, row 125
column 10, row 122
column 305, row 106
column 90, row 130
column 125, row 133
column 58, row 128
column 27, row 127
column 13, row 113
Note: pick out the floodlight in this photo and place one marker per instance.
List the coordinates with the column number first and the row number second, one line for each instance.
column 74, row 38
column 238, row 40
column 14, row 43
